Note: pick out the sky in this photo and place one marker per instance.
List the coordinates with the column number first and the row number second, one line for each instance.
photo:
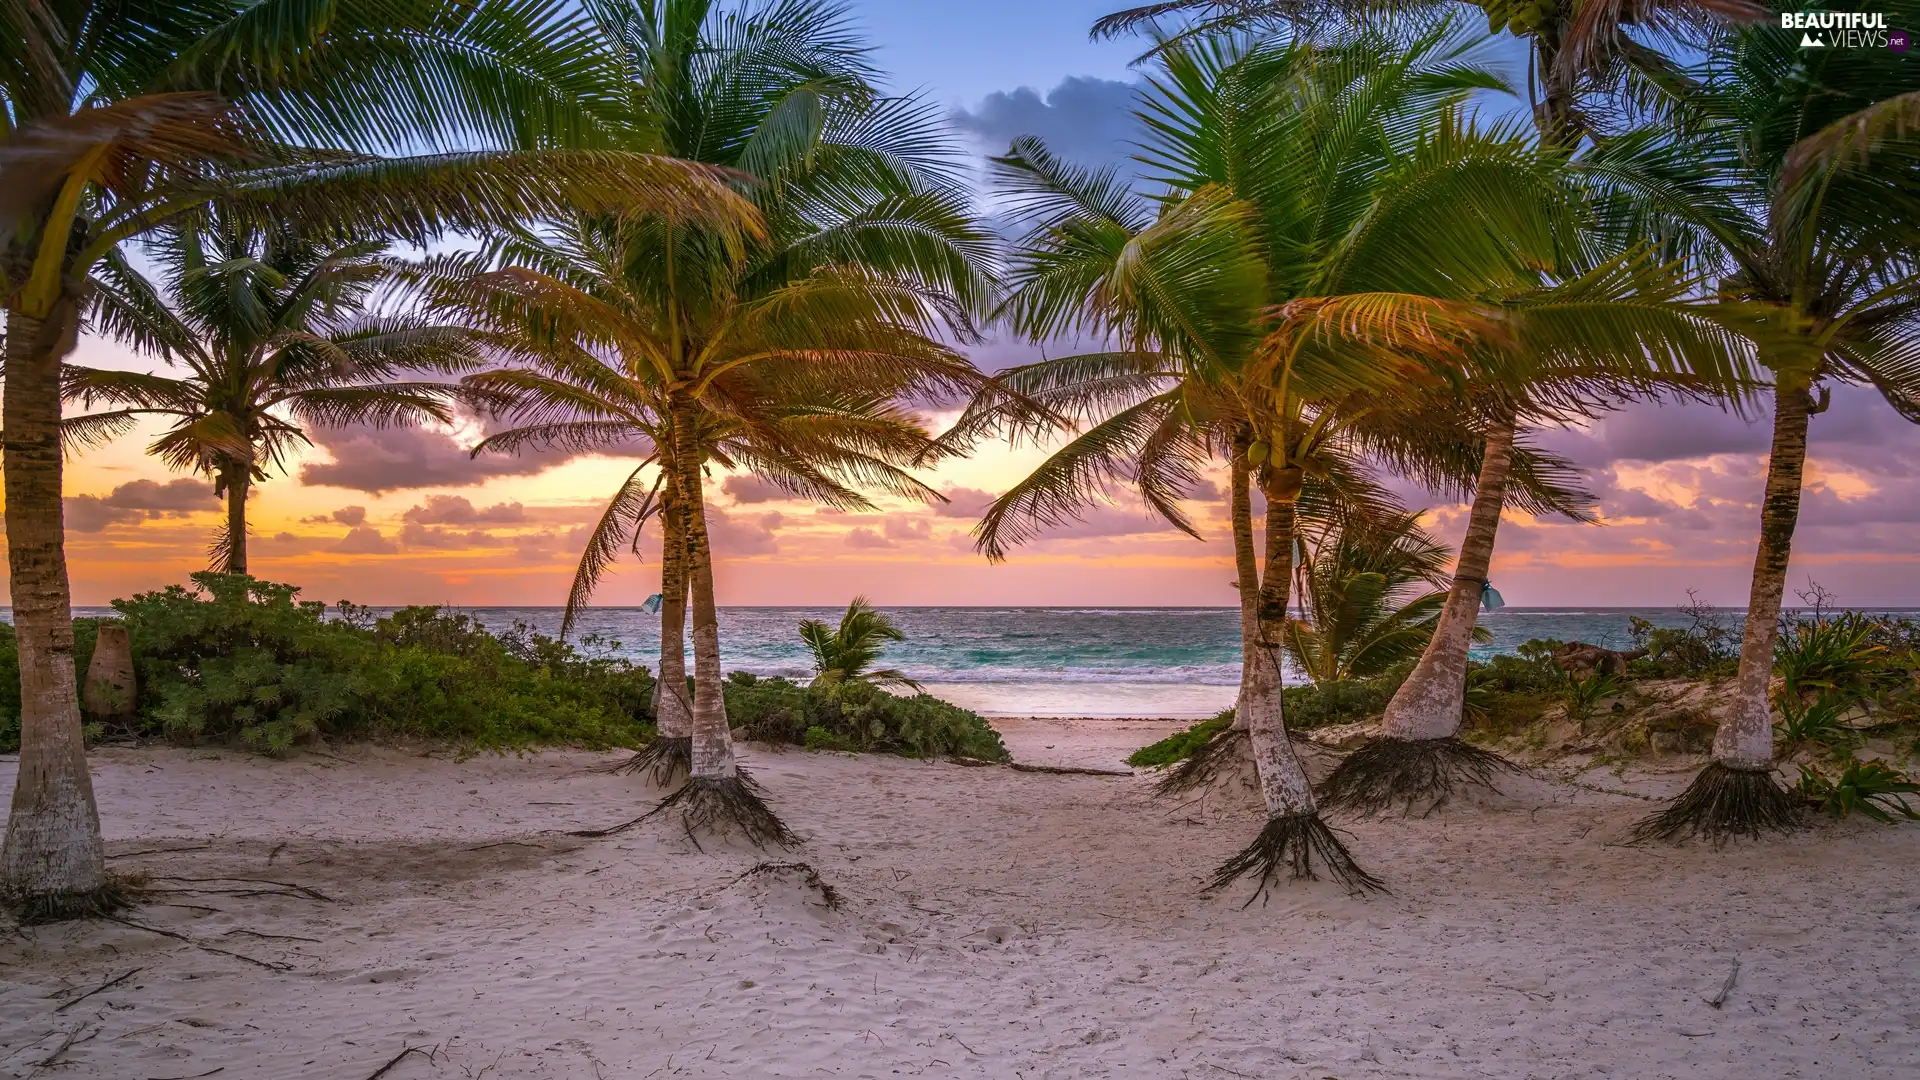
column 1678, row 487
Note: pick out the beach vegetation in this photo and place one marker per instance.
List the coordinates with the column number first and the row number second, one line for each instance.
column 236, row 661
column 117, row 120
column 857, row 716
column 1871, row 788
column 789, row 348
column 848, row 652
column 1370, row 595
column 1797, row 168
column 276, row 339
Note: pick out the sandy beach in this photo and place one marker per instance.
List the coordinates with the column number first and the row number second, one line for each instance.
column 325, row 913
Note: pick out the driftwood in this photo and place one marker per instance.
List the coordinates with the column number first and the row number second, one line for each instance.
column 1580, row 659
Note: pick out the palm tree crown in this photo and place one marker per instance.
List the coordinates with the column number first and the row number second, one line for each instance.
column 274, row 335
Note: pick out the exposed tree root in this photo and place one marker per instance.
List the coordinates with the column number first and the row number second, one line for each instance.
column 1290, row 842
column 1723, row 802
column 708, row 805
column 829, row 895
column 664, row 760
column 1387, row 773
column 118, row 894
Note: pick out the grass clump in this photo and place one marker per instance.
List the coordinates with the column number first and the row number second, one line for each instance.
column 1180, row 745
column 857, row 716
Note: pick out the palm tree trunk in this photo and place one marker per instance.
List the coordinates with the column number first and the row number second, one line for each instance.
column 53, row 862
column 1294, row 837
column 1738, row 792
column 1744, row 738
column 672, row 712
column 235, row 542
column 1429, row 704
column 1246, row 576
column 712, row 742
column 1283, row 782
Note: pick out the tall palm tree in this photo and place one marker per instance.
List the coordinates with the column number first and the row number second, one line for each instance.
column 272, row 332
column 1795, row 169
column 792, row 355
column 1577, row 54
column 114, row 119
column 1367, row 596
column 1337, row 250
column 579, row 315
column 847, row 652
column 1279, row 308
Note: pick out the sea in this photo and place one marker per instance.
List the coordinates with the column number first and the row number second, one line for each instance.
column 1050, row 661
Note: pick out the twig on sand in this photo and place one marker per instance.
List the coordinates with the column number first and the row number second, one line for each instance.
column 270, row 966
column 1056, row 770
column 65, row 1044
column 271, row 937
column 195, row 1076
column 108, row 985
column 308, row 893
column 159, row 851
column 1726, row 988
column 502, row 843
column 397, row 1059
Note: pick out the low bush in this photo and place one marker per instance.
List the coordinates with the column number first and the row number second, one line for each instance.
column 856, row 716
column 243, row 661
column 1708, row 646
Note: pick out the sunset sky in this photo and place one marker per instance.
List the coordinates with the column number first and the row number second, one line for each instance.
column 1678, row 486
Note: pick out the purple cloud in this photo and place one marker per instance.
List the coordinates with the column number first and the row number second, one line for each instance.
column 458, row 510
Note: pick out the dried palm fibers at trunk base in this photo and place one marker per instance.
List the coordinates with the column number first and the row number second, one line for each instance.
column 716, row 806
column 1724, row 802
column 664, row 760
column 116, row 895
column 1291, row 842
column 1388, row 773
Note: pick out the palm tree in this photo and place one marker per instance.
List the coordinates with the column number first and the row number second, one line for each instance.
column 576, row 312
column 1794, row 170
column 1368, row 596
column 115, row 119
column 1279, row 307
column 1338, row 249
column 271, row 330
column 1576, row 53
column 847, row 653
column 791, row 355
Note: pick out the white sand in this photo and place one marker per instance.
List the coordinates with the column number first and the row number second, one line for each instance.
column 994, row 924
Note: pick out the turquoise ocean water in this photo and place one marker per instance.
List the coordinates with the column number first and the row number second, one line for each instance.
column 1176, row 662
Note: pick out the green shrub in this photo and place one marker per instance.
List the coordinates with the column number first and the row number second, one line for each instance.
column 1818, row 721
column 243, row 661
column 1871, row 787
column 1180, row 745
column 1582, row 696
column 84, row 633
column 1836, row 655
column 857, row 716
column 1709, row 645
